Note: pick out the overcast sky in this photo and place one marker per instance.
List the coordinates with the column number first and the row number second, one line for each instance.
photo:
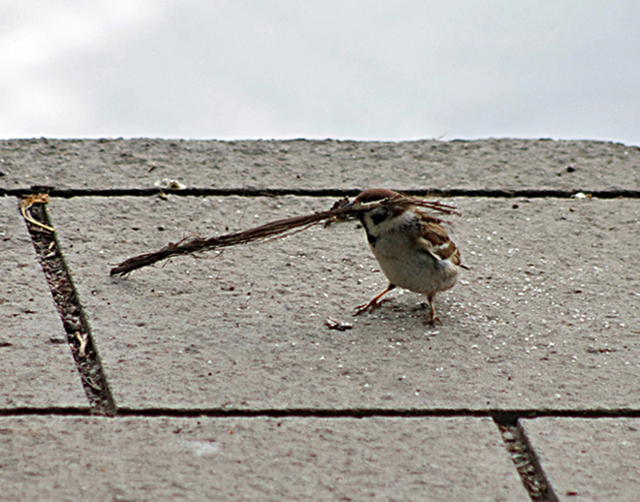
column 388, row 70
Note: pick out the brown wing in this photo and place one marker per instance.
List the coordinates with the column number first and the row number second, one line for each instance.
column 434, row 239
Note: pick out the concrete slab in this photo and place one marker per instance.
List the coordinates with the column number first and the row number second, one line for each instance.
column 588, row 460
column 37, row 367
column 547, row 317
column 510, row 164
column 447, row 459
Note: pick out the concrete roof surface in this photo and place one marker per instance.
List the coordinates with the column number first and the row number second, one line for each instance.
column 227, row 383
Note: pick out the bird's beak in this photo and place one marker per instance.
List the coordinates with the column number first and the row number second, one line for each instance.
column 344, row 206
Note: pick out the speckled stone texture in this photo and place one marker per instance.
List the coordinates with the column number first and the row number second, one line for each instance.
column 525, row 328
column 510, row 164
column 229, row 383
column 36, row 369
column 440, row 459
column 589, row 460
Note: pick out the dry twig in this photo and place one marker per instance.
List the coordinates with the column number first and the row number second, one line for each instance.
column 341, row 210
column 40, row 198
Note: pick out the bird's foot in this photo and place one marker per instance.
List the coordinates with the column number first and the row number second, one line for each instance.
column 370, row 307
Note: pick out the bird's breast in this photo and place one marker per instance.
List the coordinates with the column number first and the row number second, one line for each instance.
column 408, row 266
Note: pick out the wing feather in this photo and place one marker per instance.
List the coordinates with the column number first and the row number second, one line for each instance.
column 435, row 240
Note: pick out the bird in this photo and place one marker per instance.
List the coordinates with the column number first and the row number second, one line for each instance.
column 412, row 248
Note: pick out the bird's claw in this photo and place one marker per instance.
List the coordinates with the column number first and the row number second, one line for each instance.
column 361, row 309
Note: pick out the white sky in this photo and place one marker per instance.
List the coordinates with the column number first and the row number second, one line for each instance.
column 388, row 70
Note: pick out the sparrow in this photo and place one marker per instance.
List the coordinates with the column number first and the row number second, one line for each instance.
column 412, row 248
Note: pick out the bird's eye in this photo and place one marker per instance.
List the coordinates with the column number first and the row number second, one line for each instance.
column 379, row 215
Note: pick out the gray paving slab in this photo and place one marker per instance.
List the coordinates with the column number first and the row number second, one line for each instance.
column 546, row 317
column 447, row 459
column 37, row 368
column 589, row 460
column 511, row 164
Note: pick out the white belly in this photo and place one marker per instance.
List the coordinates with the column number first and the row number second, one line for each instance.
column 413, row 268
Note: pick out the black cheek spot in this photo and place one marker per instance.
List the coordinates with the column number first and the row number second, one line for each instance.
column 372, row 239
column 378, row 217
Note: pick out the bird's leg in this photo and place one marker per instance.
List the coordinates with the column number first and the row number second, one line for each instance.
column 374, row 303
column 431, row 316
